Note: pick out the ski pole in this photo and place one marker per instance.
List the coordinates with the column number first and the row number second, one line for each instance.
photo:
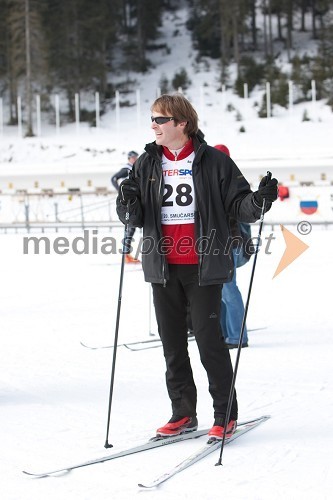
column 239, row 348
column 115, row 343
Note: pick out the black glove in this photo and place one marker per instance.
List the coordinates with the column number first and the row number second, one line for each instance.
column 129, row 190
column 267, row 189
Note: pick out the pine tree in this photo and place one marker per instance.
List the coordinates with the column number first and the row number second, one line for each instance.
column 81, row 34
column 4, row 46
column 25, row 53
column 323, row 66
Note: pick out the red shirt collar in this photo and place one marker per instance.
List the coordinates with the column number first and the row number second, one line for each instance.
column 185, row 152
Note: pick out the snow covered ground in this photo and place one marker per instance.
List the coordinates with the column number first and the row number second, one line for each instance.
column 284, row 139
column 54, row 392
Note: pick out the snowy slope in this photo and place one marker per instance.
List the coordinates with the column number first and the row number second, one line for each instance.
column 284, row 139
column 296, row 152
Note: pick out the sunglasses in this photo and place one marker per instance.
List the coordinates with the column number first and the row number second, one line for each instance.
column 161, row 120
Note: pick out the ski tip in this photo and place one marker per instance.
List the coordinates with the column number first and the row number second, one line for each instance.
column 255, row 421
column 87, row 346
column 147, row 486
column 33, row 474
column 40, row 475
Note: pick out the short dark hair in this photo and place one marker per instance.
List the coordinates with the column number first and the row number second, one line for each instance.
column 180, row 109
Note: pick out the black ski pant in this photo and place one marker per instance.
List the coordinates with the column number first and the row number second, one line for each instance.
column 170, row 303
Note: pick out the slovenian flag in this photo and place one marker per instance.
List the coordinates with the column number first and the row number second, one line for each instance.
column 309, row 207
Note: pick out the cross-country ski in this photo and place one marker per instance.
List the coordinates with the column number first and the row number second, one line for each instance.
column 156, row 442
column 141, row 345
column 201, row 453
column 150, row 445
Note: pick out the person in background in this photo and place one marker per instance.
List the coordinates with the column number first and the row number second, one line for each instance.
column 123, row 173
column 232, row 310
column 182, row 193
column 283, row 192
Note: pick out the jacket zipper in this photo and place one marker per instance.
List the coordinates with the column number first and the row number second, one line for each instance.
column 200, row 224
column 159, row 219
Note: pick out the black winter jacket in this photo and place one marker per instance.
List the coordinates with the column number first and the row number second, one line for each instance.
column 221, row 192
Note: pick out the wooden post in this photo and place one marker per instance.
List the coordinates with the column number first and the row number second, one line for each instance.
column 138, row 108
column 117, row 110
column 291, row 96
column 313, row 91
column 268, row 99
column 77, row 113
column 97, row 107
column 57, row 113
column 1, row 116
column 38, row 113
column 19, row 116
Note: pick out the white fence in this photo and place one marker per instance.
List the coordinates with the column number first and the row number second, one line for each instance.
column 56, row 102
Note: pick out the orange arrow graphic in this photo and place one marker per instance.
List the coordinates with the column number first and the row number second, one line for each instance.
column 294, row 248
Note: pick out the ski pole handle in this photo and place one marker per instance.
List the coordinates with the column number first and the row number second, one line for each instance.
column 269, row 176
